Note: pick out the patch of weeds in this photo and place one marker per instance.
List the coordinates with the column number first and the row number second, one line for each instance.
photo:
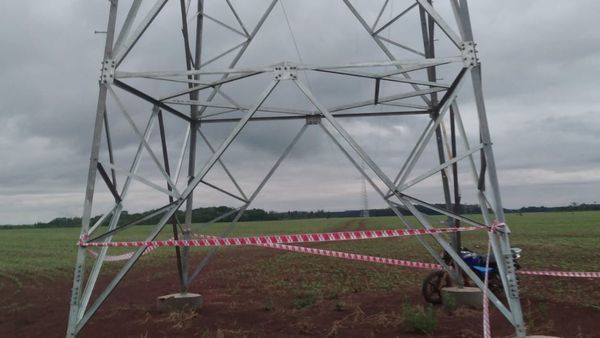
column 419, row 319
column 305, row 298
column 449, row 303
column 308, row 295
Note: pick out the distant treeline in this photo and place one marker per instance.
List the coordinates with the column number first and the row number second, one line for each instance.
column 202, row 215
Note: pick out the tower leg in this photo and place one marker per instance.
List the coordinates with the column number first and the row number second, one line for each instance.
column 79, row 275
column 500, row 240
column 193, row 142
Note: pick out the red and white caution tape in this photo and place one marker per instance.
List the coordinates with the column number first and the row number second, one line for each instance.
column 418, row 265
column 487, row 331
column 153, row 245
column 354, row 257
column 346, row 255
column 115, row 258
column 272, row 239
column 495, row 226
column 577, row 274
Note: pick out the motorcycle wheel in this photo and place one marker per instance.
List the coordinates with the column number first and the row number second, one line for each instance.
column 432, row 286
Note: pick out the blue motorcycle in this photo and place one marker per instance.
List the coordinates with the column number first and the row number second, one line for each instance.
column 435, row 281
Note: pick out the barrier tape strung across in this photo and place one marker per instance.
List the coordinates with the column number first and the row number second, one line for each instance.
column 346, row 255
column 357, row 257
column 151, row 248
column 354, row 257
column 576, row 274
column 272, row 239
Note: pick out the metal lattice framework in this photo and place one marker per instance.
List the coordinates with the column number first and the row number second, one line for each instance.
column 203, row 90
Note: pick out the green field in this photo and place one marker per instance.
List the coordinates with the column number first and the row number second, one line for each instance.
column 563, row 241
column 298, row 284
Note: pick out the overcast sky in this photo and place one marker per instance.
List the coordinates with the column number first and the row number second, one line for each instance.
column 541, row 64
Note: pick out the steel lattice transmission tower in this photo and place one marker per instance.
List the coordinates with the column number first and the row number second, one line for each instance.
column 218, row 84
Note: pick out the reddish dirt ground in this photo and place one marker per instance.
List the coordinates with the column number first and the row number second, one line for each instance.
column 40, row 307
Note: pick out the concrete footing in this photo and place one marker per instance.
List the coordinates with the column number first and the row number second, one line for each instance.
column 462, row 297
column 178, row 302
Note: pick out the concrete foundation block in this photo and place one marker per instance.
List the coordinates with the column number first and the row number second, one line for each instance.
column 179, row 302
column 453, row 297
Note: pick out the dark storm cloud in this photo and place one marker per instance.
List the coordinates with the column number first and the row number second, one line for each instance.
column 540, row 76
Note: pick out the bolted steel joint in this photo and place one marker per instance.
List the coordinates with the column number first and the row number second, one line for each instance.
column 313, row 119
column 285, row 71
column 513, row 282
column 510, row 263
column 469, row 54
column 107, row 72
column 513, row 288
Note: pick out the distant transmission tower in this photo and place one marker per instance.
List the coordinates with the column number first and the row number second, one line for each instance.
column 167, row 88
column 363, row 195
